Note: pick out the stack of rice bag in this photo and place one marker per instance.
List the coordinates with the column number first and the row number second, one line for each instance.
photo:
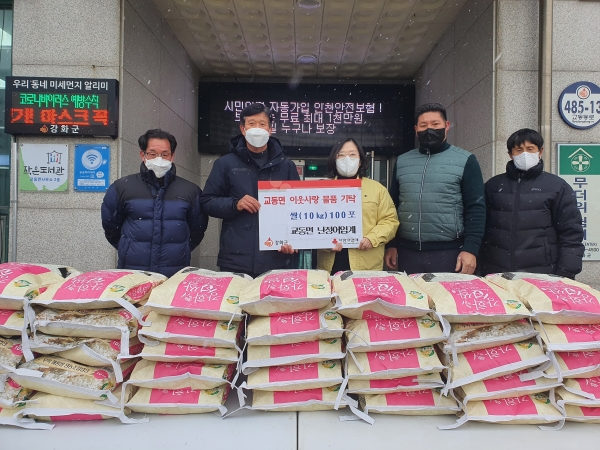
column 191, row 352
column 294, row 342
column 569, row 325
column 391, row 332
column 495, row 360
column 83, row 330
column 19, row 282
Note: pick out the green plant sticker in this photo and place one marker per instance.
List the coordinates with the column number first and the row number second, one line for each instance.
column 329, row 364
column 427, row 322
column 227, row 327
column 330, row 315
column 233, row 300
column 21, row 283
column 513, row 304
column 427, row 351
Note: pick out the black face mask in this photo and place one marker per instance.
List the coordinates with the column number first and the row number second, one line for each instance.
column 431, row 138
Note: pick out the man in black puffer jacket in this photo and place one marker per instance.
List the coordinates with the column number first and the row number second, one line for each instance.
column 533, row 224
column 231, row 193
column 154, row 218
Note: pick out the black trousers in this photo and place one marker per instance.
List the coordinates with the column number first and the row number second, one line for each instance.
column 415, row 261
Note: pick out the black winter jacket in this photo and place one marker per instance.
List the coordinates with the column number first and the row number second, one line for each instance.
column 533, row 224
column 232, row 177
column 154, row 227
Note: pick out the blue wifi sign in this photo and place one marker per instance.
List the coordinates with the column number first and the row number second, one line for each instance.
column 92, row 168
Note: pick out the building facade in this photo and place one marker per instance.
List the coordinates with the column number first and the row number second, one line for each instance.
column 483, row 63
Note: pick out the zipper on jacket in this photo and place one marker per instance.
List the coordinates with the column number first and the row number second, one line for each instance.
column 514, row 223
column 456, row 222
column 421, row 196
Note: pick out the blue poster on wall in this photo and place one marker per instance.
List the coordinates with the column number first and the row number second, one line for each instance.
column 92, row 168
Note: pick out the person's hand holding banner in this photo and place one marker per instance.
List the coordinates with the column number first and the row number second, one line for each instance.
column 248, row 203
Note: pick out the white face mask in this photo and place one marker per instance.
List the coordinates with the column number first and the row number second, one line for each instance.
column 257, row 137
column 346, row 166
column 526, row 160
column 159, row 166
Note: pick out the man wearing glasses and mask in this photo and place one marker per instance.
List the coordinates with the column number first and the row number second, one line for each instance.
column 154, row 218
column 231, row 193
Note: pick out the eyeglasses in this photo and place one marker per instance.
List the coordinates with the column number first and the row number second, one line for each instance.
column 152, row 155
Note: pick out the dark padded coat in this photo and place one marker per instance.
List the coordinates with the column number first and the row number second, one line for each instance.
column 153, row 227
column 232, row 177
column 533, row 224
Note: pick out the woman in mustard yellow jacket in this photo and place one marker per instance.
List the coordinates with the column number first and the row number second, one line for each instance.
column 380, row 220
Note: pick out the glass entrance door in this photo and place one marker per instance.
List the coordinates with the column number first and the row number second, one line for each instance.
column 312, row 168
column 380, row 167
column 5, row 70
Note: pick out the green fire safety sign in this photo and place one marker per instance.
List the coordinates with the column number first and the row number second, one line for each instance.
column 579, row 165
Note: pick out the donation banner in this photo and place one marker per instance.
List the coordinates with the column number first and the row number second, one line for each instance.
column 310, row 214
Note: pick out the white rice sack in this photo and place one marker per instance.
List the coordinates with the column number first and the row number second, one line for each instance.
column 179, row 401
column 12, row 322
column 87, row 351
column 392, row 334
column 466, row 337
column 509, row 385
column 404, row 384
column 189, row 330
column 92, row 323
column 201, row 294
column 564, row 397
column 584, row 387
column 286, row 291
column 322, row 399
column 533, row 409
column 570, row 338
column 11, row 355
column 56, row 408
column 169, row 352
column 297, row 377
column 177, row 375
column 553, row 299
column 298, row 353
column 9, row 417
column 427, row 402
column 117, row 325
column 391, row 364
column 370, row 294
column 12, row 394
column 295, row 327
column 584, row 364
column 462, row 298
column 60, row 376
column 102, row 289
column 477, row 365
column 92, row 352
column 585, row 414
column 20, row 282
column 579, row 399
